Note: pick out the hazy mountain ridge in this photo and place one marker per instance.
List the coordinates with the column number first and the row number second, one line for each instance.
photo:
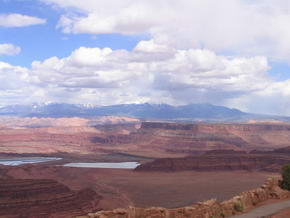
column 191, row 112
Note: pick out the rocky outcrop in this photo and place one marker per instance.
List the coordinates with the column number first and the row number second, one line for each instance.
column 219, row 161
column 33, row 198
column 207, row 209
column 181, row 139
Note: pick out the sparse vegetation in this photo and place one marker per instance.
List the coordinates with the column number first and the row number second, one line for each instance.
column 221, row 215
column 285, row 183
column 238, row 207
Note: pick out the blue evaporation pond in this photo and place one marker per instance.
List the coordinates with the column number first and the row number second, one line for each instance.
column 21, row 161
column 122, row 165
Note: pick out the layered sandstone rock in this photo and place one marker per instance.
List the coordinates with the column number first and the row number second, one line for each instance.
column 179, row 139
column 207, row 209
column 36, row 122
column 74, row 139
column 217, row 136
column 44, row 199
column 152, row 139
column 220, row 160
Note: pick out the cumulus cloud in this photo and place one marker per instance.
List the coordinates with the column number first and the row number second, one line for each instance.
column 14, row 77
column 9, row 49
column 151, row 72
column 173, row 75
column 19, row 20
column 181, row 62
column 273, row 99
column 16, row 85
column 237, row 26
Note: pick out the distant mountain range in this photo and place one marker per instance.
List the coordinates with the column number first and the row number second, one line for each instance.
column 191, row 112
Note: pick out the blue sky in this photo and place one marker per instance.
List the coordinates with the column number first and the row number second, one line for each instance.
column 280, row 70
column 39, row 42
column 159, row 51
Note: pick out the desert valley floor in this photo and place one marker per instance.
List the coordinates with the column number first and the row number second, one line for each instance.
column 122, row 188
column 181, row 164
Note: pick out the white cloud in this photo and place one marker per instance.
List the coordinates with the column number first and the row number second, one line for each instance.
column 239, row 26
column 19, row 20
column 273, row 99
column 9, row 49
column 180, row 63
column 16, row 86
column 151, row 46
column 151, row 72
column 172, row 75
column 13, row 77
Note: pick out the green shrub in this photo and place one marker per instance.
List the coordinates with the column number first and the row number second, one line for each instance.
column 285, row 183
column 221, row 215
column 238, row 207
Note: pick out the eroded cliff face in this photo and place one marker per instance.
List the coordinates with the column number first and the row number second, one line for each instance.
column 152, row 139
column 74, row 139
column 219, row 127
column 178, row 138
column 220, row 161
column 207, row 209
column 42, row 198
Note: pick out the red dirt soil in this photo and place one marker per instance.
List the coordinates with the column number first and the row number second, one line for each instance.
column 121, row 188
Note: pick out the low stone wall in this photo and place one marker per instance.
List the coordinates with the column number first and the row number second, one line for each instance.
column 207, row 209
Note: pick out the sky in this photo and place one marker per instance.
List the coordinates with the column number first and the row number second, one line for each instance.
column 234, row 53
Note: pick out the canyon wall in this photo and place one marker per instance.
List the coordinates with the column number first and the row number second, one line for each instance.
column 207, row 209
column 43, row 198
column 152, row 139
column 180, row 139
column 220, row 161
column 216, row 127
